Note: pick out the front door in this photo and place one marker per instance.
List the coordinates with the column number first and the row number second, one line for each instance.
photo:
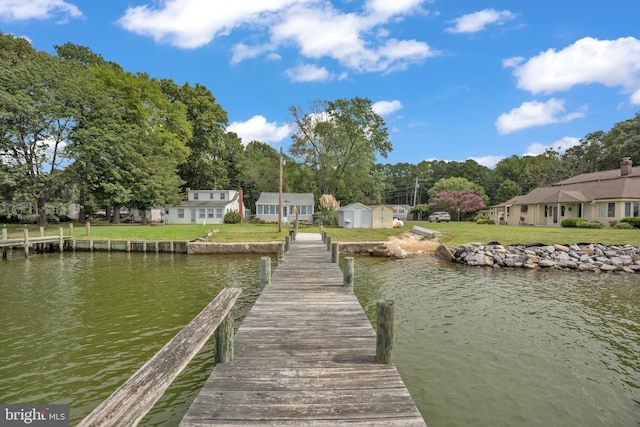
column 554, row 213
column 193, row 216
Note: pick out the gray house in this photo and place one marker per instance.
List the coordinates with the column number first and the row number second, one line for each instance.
column 355, row 215
column 267, row 206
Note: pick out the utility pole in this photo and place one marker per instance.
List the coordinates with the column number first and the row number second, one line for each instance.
column 280, row 197
column 415, row 192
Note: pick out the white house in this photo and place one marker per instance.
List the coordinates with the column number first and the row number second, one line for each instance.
column 401, row 211
column 267, row 206
column 205, row 207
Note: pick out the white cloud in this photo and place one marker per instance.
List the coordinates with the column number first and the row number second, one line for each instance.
column 356, row 40
column 22, row 10
column 308, row 73
column 386, row 8
column 613, row 63
column 478, row 21
column 535, row 113
column 383, row 108
column 488, row 161
column 258, row 129
column 559, row 146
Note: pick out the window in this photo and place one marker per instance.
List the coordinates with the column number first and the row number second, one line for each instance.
column 221, row 196
column 607, row 210
column 166, row 211
column 211, row 195
column 195, row 195
column 524, row 208
column 561, row 210
column 209, row 213
column 218, row 213
column 632, row 209
column 201, row 213
column 180, row 213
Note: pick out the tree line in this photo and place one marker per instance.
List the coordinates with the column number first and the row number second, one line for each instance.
column 76, row 128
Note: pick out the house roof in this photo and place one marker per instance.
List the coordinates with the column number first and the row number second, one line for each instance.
column 589, row 187
column 288, row 198
column 207, row 203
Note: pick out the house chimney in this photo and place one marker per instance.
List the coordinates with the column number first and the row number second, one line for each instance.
column 625, row 166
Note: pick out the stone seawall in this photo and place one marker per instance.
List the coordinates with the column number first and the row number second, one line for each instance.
column 232, row 248
column 581, row 257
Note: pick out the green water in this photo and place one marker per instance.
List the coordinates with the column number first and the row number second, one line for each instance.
column 75, row 326
column 484, row 347
column 476, row 347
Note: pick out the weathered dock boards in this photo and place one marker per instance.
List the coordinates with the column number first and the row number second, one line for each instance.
column 305, row 355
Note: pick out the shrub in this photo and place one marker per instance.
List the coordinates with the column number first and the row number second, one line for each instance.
column 623, row 226
column 256, row 220
column 573, row 222
column 232, row 217
column 482, row 220
column 634, row 222
column 585, row 224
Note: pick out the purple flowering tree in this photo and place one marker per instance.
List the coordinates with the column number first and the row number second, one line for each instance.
column 454, row 201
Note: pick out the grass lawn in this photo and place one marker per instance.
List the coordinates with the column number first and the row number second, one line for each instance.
column 453, row 233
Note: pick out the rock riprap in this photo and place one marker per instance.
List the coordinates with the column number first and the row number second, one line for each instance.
column 579, row 257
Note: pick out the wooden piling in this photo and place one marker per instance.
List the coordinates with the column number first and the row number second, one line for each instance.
column 328, row 243
column 265, row 271
column 280, row 252
column 287, row 243
column 87, row 226
column 224, row 339
column 61, row 241
column 335, row 253
column 348, row 272
column 385, row 331
column 26, row 242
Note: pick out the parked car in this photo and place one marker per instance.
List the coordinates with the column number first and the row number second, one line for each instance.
column 439, row 217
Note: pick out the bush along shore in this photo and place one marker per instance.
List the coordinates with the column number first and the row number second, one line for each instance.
column 579, row 257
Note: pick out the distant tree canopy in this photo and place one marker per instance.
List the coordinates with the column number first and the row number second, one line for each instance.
column 76, row 128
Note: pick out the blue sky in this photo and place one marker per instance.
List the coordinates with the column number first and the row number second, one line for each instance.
column 454, row 80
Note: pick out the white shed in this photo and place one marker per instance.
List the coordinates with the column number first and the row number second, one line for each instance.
column 355, row 215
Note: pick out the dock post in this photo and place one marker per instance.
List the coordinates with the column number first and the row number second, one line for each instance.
column 224, row 346
column 328, row 243
column 335, row 253
column 71, row 229
column 87, row 226
column 61, row 234
column 41, row 231
column 347, row 273
column 287, row 243
column 324, row 236
column 385, row 331
column 4, row 237
column 265, row 271
column 280, row 252
column 26, row 242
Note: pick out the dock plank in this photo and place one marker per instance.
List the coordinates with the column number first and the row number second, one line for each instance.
column 305, row 355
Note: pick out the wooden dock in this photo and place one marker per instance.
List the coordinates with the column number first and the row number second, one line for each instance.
column 305, row 355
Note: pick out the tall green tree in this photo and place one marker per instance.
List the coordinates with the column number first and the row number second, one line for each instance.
column 507, row 190
column 35, row 118
column 623, row 140
column 338, row 141
column 207, row 167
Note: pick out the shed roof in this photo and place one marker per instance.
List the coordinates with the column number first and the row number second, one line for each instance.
column 355, row 206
